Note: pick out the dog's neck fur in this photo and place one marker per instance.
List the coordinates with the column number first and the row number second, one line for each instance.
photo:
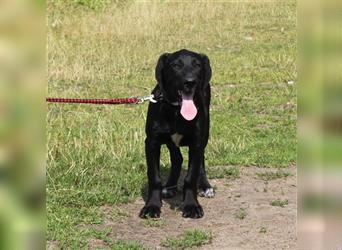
column 159, row 96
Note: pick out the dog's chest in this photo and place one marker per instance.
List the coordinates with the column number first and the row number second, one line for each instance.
column 178, row 130
column 180, row 133
column 176, row 138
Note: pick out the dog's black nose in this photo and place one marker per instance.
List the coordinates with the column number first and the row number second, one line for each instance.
column 189, row 83
column 189, row 78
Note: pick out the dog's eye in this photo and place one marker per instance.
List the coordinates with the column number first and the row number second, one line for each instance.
column 176, row 65
column 196, row 64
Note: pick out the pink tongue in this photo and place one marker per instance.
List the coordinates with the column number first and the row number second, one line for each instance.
column 188, row 109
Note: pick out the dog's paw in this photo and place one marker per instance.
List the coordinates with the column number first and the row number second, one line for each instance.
column 169, row 192
column 150, row 211
column 193, row 211
column 207, row 193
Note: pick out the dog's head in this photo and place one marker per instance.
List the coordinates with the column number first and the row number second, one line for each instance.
column 182, row 76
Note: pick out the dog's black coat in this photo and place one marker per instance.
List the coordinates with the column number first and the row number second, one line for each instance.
column 181, row 73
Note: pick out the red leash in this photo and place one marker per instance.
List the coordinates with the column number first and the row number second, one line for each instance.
column 131, row 100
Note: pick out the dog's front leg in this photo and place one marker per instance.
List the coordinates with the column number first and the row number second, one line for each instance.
column 191, row 207
column 153, row 202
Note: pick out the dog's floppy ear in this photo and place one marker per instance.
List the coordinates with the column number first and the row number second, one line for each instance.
column 206, row 70
column 159, row 68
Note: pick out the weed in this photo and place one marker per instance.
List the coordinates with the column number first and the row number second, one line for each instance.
column 103, row 235
column 224, row 172
column 127, row 245
column 263, row 230
column 267, row 176
column 190, row 239
column 241, row 214
column 93, row 4
column 119, row 213
column 279, row 203
column 154, row 222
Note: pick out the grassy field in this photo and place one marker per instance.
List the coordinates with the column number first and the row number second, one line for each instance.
column 108, row 49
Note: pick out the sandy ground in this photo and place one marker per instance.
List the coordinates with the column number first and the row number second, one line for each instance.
column 264, row 227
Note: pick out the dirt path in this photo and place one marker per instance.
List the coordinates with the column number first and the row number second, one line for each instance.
column 264, row 227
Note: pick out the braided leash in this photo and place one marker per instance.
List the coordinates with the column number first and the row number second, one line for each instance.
column 131, row 100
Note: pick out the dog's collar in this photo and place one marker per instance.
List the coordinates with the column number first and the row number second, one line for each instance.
column 159, row 97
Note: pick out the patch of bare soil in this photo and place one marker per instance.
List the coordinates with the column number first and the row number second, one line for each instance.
column 263, row 227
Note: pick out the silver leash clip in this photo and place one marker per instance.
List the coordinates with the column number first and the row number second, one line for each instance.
column 147, row 98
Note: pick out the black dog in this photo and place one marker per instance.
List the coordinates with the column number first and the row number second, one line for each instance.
column 179, row 118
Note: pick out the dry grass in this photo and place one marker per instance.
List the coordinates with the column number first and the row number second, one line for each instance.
column 96, row 47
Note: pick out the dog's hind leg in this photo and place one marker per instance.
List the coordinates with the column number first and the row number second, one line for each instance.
column 204, row 187
column 170, row 189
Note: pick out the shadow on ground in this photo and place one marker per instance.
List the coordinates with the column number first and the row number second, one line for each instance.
column 176, row 201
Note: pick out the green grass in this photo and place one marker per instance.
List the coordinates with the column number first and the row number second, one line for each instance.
column 268, row 176
column 95, row 154
column 279, row 203
column 224, row 172
column 127, row 245
column 154, row 222
column 103, row 235
column 190, row 239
